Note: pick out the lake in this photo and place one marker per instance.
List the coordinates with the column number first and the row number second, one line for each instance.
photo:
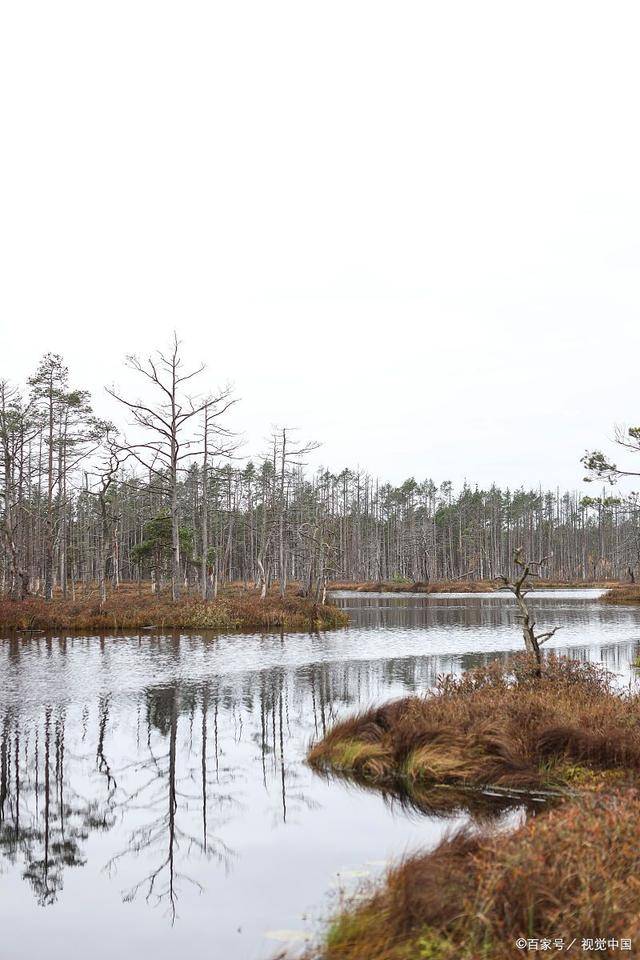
column 154, row 800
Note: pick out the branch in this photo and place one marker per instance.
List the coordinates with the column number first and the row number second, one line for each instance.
column 547, row 636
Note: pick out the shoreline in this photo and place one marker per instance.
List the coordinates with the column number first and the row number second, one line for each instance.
column 470, row 586
column 129, row 608
column 567, row 740
column 484, row 895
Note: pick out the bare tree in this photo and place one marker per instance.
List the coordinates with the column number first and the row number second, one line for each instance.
column 193, row 512
column 286, row 455
column 217, row 441
column 520, row 587
column 168, row 442
column 113, row 458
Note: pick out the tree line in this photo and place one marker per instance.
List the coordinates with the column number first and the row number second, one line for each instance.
column 170, row 499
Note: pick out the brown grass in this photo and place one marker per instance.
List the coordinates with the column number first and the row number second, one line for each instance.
column 495, row 726
column 444, row 800
column 623, row 593
column 130, row 608
column 458, row 586
column 571, row 873
column 402, row 586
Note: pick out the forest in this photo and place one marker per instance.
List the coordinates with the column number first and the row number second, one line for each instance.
column 171, row 497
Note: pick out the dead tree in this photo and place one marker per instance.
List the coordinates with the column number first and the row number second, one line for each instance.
column 107, row 475
column 288, row 456
column 520, row 587
column 217, row 441
column 167, row 441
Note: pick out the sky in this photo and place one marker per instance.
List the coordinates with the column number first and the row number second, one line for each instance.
column 408, row 229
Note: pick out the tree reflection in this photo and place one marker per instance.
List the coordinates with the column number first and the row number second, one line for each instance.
column 43, row 822
column 163, row 768
column 169, row 793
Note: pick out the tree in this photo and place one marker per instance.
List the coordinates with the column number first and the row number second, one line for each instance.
column 601, row 467
column 71, row 433
column 286, row 456
column 157, row 546
column 217, row 441
column 520, row 587
column 16, row 432
column 106, row 474
column 168, row 442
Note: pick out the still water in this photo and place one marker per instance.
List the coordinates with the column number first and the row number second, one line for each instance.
column 154, row 801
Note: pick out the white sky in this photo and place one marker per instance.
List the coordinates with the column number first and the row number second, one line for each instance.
column 409, row 229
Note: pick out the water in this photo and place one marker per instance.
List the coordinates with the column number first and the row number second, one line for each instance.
column 153, row 790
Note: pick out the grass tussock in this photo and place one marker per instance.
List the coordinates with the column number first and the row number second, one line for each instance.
column 132, row 608
column 443, row 800
column 496, row 726
column 571, row 873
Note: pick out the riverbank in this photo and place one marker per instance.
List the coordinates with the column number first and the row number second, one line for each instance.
column 568, row 872
column 623, row 593
column 465, row 586
column 133, row 608
column 496, row 725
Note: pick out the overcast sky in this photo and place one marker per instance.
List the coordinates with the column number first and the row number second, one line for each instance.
column 409, row 229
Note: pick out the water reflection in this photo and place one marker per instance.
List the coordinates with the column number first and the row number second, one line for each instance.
column 44, row 820
column 167, row 771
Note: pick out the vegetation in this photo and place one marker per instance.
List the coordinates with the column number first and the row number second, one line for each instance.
column 570, row 870
column 459, row 586
column 408, row 586
column 83, row 502
column 496, row 726
column 570, row 873
column 134, row 608
column 623, row 593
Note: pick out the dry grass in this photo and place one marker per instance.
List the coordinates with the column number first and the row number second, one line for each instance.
column 458, row 586
column 132, row 608
column 623, row 593
column 443, row 800
column 402, row 586
column 571, row 873
column 495, row 726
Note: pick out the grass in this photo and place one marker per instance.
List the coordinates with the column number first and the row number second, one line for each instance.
column 457, row 586
column 444, row 800
column 408, row 586
column 132, row 608
column 623, row 593
column 496, row 726
column 571, row 871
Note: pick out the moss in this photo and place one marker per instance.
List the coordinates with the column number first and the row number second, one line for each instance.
column 403, row 585
column 436, row 946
